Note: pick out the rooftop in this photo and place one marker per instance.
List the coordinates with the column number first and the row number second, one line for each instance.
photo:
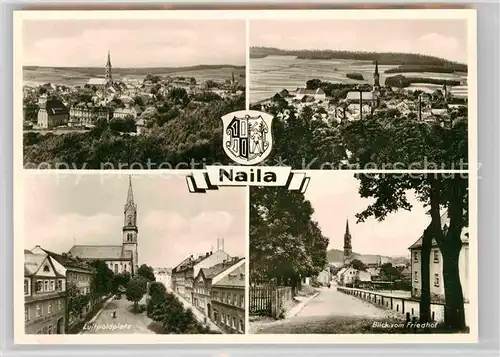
column 103, row 252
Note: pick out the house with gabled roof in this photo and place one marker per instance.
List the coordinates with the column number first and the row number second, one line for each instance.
column 436, row 264
column 202, row 287
column 44, row 295
column 228, row 299
column 183, row 274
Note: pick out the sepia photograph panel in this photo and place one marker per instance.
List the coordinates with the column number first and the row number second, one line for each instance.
column 364, row 93
column 129, row 93
column 120, row 254
column 362, row 254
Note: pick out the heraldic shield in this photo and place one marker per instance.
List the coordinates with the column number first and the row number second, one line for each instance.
column 247, row 136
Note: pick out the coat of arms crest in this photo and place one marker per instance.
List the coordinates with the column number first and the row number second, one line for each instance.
column 247, row 136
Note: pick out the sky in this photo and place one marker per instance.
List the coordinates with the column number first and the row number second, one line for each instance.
column 65, row 209
column 442, row 38
column 335, row 199
column 133, row 43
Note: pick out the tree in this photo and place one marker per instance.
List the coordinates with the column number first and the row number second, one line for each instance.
column 102, row 278
column 120, row 279
column 175, row 318
column 76, row 300
column 136, row 288
column 285, row 243
column 179, row 96
column 435, row 191
column 313, row 84
column 358, row 265
column 146, row 272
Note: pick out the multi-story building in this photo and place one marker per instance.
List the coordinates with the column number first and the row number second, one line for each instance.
column 78, row 274
column 44, row 295
column 52, row 113
column 228, row 300
column 202, row 288
column 86, row 115
column 183, row 274
column 436, row 265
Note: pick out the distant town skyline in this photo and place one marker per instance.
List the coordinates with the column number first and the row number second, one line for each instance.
column 172, row 222
column 442, row 38
column 133, row 43
column 335, row 199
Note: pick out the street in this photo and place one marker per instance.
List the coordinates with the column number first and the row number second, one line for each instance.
column 126, row 321
column 331, row 312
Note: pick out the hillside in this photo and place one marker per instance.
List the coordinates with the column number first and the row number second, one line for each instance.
column 137, row 70
column 383, row 58
column 336, row 256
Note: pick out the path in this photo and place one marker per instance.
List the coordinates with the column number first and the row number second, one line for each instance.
column 126, row 321
column 331, row 312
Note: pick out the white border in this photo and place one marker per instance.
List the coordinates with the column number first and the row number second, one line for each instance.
column 443, row 14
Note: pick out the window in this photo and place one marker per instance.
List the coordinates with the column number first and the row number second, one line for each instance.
column 49, row 308
column 436, row 256
column 38, row 310
column 26, row 287
column 242, row 300
column 59, row 285
column 223, row 318
column 436, row 279
column 26, row 313
column 223, row 297
column 241, row 327
column 45, row 285
column 46, row 268
column 52, row 285
column 216, row 295
column 116, row 268
column 39, row 285
column 416, row 276
column 415, row 256
column 49, row 330
column 233, row 323
column 59, row 305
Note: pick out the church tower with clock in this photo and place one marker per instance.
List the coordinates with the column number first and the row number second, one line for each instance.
column 130, row 229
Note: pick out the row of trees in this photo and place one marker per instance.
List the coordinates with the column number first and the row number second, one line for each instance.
column 285, row 243
column 166, row 309
column 381, row 57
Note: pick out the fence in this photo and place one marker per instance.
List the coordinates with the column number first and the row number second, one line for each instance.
column 269, row 300
column 408, row 307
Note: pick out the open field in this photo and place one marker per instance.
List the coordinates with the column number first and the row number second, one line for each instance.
column 78, row 76
column 271, row 74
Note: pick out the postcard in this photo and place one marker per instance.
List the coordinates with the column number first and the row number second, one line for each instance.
column 257, row 176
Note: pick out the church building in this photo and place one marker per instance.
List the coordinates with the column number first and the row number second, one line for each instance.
column 105, row 82
column 119, row 258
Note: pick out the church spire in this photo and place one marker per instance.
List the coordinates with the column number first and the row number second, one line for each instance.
column 376, row 77
column 347, row 243
column 107, row 73
column 130, row 194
